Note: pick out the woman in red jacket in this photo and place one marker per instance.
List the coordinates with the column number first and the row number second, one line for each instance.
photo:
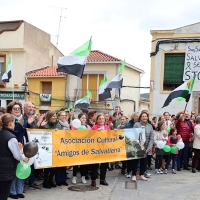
column 184, row 130
column 100, row 125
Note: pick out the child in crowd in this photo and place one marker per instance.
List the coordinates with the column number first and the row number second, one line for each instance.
column 158, row 136
column 164, row 136
column 172, row 156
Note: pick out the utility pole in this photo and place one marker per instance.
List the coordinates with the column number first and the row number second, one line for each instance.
column 61, row 9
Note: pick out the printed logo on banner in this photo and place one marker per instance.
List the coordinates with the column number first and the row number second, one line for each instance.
column 44, row 141
column 192, row 62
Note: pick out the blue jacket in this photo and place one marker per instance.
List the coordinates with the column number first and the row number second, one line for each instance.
column 129, row 124
column 20, row 132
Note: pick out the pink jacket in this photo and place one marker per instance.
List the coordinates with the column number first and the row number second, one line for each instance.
column 97, row 126
column 88, row 128
column 170, row 144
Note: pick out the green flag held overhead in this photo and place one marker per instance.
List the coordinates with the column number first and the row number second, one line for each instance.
column 75, row 63
column 117, row 81
column 70, row 108
column 103, row 93
column 183, row 92
column 85, row 101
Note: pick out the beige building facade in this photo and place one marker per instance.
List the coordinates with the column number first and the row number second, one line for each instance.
column 66, row 89
column 167, row 68
column 30, row 48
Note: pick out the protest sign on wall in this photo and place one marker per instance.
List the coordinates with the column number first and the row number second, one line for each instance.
column 73, row 147
column 192, row 62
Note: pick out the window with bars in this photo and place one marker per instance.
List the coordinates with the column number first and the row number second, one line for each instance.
column 173, row 70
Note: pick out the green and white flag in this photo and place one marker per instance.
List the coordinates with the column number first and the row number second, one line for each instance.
column 70, row 108
column 75, row 63
column 183, row 92
column 117, row 81
column 8, row 73
column 85, row 101
column 103, row 92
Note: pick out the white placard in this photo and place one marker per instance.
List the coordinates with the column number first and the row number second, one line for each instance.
column 192, row 62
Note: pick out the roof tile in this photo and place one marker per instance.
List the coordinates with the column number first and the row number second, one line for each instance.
column 94, row 56
column 45, row 71
column 98, row 56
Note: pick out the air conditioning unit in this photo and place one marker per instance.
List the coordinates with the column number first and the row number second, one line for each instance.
column 16, row 85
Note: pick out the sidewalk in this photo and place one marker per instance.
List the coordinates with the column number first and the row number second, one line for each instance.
column 183, row 185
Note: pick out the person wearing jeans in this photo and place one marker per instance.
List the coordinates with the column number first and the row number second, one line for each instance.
column 10, row 154
column 173, row 158
column 184, row 130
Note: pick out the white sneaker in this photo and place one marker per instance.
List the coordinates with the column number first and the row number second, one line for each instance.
column 173, row 171
column 128, row 175
column 83, row 180
column 160, row 171
column 74, row 180
column 165, row 171
column 147, row 175
column 157, row 171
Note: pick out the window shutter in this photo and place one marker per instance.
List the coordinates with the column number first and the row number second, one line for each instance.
column 173, row 69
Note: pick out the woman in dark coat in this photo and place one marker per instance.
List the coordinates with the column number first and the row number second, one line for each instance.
column 9, row 155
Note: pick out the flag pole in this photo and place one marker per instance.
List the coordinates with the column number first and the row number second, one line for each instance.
column 190, row 91
column 185, row 107
column 12, row 79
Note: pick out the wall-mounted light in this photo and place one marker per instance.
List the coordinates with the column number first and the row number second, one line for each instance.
column 152, row 84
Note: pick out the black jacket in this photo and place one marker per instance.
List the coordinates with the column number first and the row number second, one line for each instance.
column 8, row 163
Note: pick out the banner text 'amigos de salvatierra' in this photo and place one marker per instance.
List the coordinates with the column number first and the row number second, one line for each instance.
column 68, row 148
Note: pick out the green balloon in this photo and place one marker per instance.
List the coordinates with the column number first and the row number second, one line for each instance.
column 174, row 149
column 166, row 148
column 23, row 170
column 168, row 130
column 82, row 127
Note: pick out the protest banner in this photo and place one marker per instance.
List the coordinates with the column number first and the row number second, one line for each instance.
column 192, row 62
column 73, row 147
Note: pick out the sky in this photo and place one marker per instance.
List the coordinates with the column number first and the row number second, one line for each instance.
column 120, row 28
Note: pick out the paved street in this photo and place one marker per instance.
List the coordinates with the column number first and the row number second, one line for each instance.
column 183, row 185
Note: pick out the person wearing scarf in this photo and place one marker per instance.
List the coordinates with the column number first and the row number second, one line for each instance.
column 63, row 120
column 52, row 123
column 15, row 109
column 100, row 125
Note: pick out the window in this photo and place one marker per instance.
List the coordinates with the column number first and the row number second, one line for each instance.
column 46, row 89
column 91, row 82
column 173, row 70
column 8, row 101
column 2, row 68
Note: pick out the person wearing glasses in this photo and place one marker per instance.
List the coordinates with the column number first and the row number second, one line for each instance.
column 63, row 120
column 15, row 109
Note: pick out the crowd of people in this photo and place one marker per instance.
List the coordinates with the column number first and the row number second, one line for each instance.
column 168, row 128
